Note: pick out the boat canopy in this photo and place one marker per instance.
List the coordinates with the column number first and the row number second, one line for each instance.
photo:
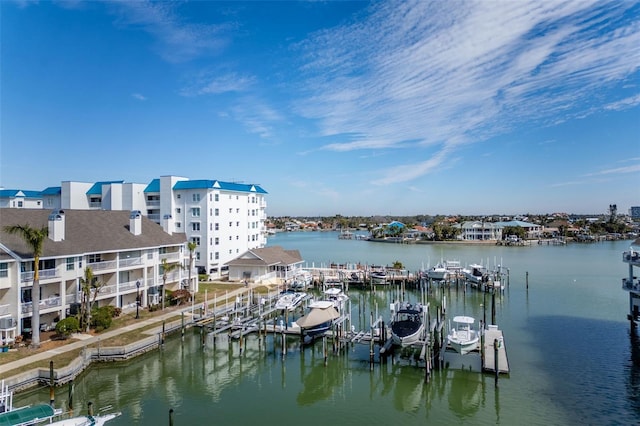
column 27, row 415
column 317, row 317
column 464, row 320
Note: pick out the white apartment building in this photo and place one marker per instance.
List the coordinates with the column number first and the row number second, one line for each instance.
column 124, row 250
column 224, row 219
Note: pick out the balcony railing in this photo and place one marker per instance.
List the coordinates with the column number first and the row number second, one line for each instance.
column 153, row 202
column 49, row 302
column 132, row 261
column 101, row 266
column 171, row 257
column 44, row 274
column 154, row 217
column 131, row 285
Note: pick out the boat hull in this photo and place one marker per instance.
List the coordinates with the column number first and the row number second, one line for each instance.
column 406, row 333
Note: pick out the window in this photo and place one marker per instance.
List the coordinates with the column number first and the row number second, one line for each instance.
column 178, row 225
column 4, row 270
column 217, row 226
column 217, row 212
column 217, row 255
column 217, row 240
column 230, row 238
column 71, row 263
column 237, row 223
column 94, row 258
column 217, row 197
column 197, row 255
column 178, row 196
column 196, row 198
column 178, row 210
column 237, row 210
column 230, row 210
column 195, row 240
column 195, row 226
column 19, row 203
column 195, row 212
column 230, row 224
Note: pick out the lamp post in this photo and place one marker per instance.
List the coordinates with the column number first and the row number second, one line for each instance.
column 138, row 300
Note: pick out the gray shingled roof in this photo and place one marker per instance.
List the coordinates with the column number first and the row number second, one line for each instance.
column 275, row 255
column 86, row 231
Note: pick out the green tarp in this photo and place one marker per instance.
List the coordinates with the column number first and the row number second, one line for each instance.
column 27, row 415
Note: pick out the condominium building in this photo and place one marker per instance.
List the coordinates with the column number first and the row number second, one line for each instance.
column 125, row 251
column 222, row 219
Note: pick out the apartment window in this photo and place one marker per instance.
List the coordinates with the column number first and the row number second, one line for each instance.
column 94, row 258
column 19, row 203
column 237, row 223
column 195, row 240
column 197, row 255
column 230, row 238
column 195, row 226
column 196, row 198
column 195, row 212
column 210, row 212
column 217, row 226
column 230, row 210
column 230, row 224
column 210, row 197
column 178, row 210
column 217, row 198
column 71, row 263
column 4, row 270
column 217, row 240
column 230, row 251
column 178, row 225
column 237, row 237
column 237, row 210
column 178, row 196
column 217, row 212
column 217, row 256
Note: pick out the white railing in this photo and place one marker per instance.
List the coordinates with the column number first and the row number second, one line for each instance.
column 104, row 290
column 132, row 261
column 49, row 302
column 101, row 266
column 170, row 257
column 154, row 217
column 44, row 274
column 153, row 202
column 128, row 286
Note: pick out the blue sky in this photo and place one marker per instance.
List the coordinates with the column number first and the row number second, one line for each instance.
column 336, row 107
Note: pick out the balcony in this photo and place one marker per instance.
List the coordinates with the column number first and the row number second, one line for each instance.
column 153, row 203
column 631, row 257
column 44, row 275
column 154, row 217
column 50, row 302
column 131, row 285
column 171, row 257
column 132, row 261
column 101, row 266
column 631, row 284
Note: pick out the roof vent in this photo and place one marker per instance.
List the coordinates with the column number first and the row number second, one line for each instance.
column 56, row 225
column 135, row 222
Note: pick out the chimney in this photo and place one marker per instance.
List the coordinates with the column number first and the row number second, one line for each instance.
column 56, row 225
column 167, row 224
column 135, row 222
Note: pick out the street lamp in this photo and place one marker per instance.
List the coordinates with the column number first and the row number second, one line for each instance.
column 138, row 300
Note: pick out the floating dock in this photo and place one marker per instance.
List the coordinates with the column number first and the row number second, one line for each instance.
column 491, row 336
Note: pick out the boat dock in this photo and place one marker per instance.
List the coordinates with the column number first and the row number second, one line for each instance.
column 492, row 336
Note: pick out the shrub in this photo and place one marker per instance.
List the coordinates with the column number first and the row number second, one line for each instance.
column 179, row 296
column 101, row 317
column 67, row 326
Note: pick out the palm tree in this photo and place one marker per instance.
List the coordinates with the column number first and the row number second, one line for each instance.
column 34, row 238
column 166, row 268
column 88, row 283
column 191, row 246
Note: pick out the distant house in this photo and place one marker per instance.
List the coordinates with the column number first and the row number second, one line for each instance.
column 480, row 231
column 533, row 230
column 264, row 263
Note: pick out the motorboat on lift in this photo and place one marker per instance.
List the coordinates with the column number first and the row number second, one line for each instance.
column 290, row 300
column 462, row 337
column 322, row 313
column 407, row 326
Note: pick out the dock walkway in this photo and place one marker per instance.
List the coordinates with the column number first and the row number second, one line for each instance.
column 489, row 351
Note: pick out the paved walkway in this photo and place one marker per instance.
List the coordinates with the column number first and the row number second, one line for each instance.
column 84, row 339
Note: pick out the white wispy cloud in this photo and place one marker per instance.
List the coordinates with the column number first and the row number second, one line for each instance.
column 256, row 116
column 139, row 97
column 213, row 82
column 617, row 170
column 457, row 72
column 177, row 40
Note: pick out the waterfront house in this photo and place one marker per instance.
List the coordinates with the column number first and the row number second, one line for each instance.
column 124, row 250
column 631, row 283
column 265, row 264
column 479, row 231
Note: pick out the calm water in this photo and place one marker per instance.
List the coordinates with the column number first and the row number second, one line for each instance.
column 571, row 356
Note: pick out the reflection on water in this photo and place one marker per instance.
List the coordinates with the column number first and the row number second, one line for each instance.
column 570, row 353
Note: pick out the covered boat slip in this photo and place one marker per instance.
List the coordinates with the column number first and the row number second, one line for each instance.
column 31, row 415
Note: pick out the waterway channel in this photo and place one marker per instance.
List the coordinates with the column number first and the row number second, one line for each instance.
column 571, row 355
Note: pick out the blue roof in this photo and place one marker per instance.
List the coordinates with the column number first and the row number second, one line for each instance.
column 96, row 189
column 154, row 186
column 516, row 223
column 9, row 193
column 52, row 190
column 216, row 184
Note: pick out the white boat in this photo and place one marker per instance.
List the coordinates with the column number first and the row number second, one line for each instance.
column 88, row 420
column 438, row 272
column 407, row 326
column 462, row 337
column 290, row 300
column 475, row 273
column 301, row 280
column 322, row 313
